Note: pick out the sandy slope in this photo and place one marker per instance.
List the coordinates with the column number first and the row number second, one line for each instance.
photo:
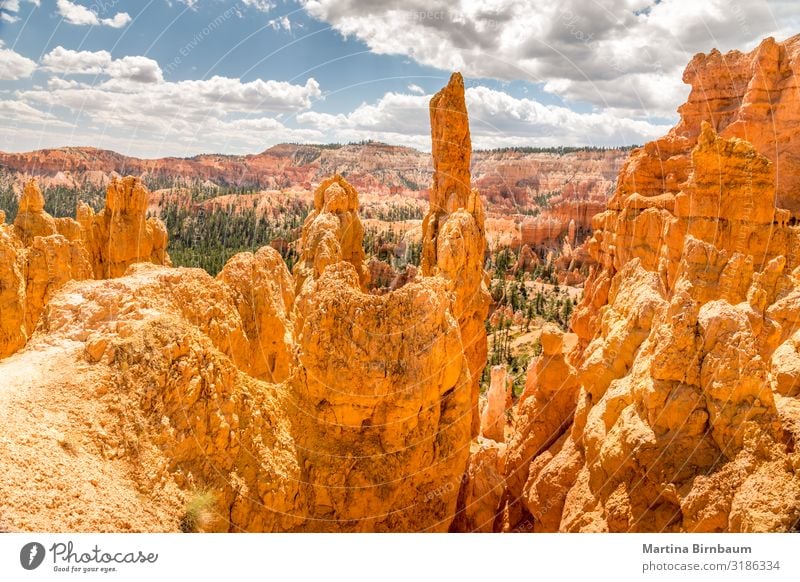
column 58, row 443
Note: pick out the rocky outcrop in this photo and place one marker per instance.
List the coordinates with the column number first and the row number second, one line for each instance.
column 332, row 233
column 539, row 230
column 736, row 94
column 544, row 414
column 12, row 293
column 278, row 403
column 263, row 292
column 383, row 403
column 527, row 260
column 121, row 234
column 453, row 238
column 386, row 386
column 31, row 219
column 147, row 365
column 482, row 490
column 42, row 253
column 681, row 378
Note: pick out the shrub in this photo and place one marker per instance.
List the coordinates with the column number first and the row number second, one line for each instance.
column 199, row 514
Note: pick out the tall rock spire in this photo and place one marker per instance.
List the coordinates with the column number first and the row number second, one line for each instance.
column 453, row 238
column 451, row 147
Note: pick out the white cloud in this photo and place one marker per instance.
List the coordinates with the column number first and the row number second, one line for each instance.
column 19, row 112
column 82, row 16
column 416, row 89
column 9, row 9
column 125, row 101
column 137, row 69
column 129, row 97
column 119, row 20
column 14, row 66
column 496, row 118
column 61, row 60
column 584, row 51
column 281, row 23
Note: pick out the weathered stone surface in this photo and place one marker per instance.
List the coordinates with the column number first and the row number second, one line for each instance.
column 263, row 292
column 121, row 234
column 480, row 501
column 453, row 237
column 684, row 372
column 160, row 346
column 44, row 253
column 331, row 233
column 527, row 260
column 384, row 382
column 452, row 148
column 13, row 333
column 31, row 218
column 545, row 412
column 296, row 404
column 498, row 403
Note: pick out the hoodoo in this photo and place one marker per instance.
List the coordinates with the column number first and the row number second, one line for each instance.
column 292, row 403
column 685, row 409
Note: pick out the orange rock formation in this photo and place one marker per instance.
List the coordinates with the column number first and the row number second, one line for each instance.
column 453, row 237
column 41, row 253
column 300, row 403
column 498, row 401
column 682, row 384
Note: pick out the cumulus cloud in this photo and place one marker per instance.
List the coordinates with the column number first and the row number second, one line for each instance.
column 584, row 51
column 497, row 119
column 416, row 89
column 14, row 66
column 129, row 97
column 137, row 69
column 66, row 61
column 10, row 8
column 82, row 16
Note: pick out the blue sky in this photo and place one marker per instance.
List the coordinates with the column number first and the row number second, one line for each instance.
column 182, row 77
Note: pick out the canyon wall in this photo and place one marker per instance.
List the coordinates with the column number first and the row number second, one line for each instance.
column 677, row 410
column 569, row 184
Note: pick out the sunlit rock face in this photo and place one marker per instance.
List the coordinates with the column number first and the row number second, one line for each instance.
column 44, row 253
column 291, row 402
column 453, row 236
column 684, row 405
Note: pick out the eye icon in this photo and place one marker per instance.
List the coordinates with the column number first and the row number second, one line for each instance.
column 31, row 555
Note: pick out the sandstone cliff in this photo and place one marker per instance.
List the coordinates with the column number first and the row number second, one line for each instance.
column 677, row 410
